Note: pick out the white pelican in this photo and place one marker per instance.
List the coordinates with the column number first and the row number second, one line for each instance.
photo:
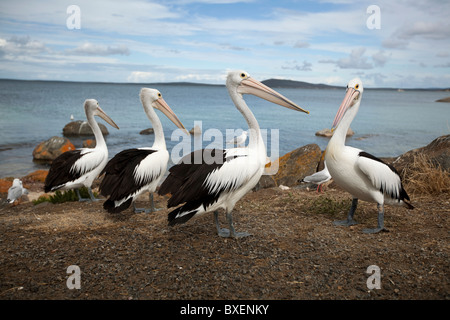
column 319, row 178
column 207, row 180
column 360, row 173
column 134, row 171
column 16, row 191
column 78, row 168
column 240, row 140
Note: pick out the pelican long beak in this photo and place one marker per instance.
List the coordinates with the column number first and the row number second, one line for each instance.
column 348, row 101
column 252, row 86
column 102, row 114
column 162, row 105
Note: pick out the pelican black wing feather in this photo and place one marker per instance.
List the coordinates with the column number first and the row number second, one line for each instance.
column 185, row 181
column 402, row 192
column 60, row 171
column 119, row 181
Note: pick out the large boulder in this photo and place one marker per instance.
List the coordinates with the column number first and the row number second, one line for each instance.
column 36, row 176
column 294, row 166
column 49, row 150
column 328, row 134
column 438, row 151
column 196, row 130
column 444, row 100
column 81, row 128
column 147, row 131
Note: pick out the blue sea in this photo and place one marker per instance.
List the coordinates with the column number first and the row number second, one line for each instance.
column 388, row 124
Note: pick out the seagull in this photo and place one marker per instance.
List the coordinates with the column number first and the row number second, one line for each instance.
column 209, row 179
column 134, row 171
column 240, row 139
column 319, row 178
column 16, row 191
column 75, row 169
column 361, row 174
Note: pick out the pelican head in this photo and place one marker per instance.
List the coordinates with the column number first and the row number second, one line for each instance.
column 352, row 98
column 152, row 97
column 91, row 107
column 244, row 84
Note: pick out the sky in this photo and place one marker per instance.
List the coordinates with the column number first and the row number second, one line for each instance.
column 400, row 44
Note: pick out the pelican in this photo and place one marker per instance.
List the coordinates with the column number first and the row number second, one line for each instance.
column 16, row 191
column 319, row 178
column 78, row 168
column 240, row 139
column 210, row 179
column 361, row 174
column 134, row 171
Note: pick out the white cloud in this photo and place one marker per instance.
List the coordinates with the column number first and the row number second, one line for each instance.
column 301, row 44
column 21, row 45
column 294, row 65
column 380, row 58
column 91, row 49
column 356, row 60
column 145, row 76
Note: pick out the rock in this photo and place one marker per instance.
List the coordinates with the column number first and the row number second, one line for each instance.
column 196, row 130
column 48, row 150
column 147, row 131
column 297, row 164
column 38, row 175
column 89, row 143
column 438, row 151
column 81, row 128
column 327, row 133
column 5, row 184
column 266, row 181
column 444, row 100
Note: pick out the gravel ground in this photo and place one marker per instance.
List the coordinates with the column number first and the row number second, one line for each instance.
column 294, row 253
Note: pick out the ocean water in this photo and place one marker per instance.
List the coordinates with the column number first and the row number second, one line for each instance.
column 388, row 124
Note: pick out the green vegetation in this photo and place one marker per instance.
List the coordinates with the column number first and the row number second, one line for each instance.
column 61, row 197
column 325, row 205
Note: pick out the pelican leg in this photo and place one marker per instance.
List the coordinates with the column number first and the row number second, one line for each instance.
column 80, row 199
column 91, row 194
column 152, row 206
column 349, row 222
column 223, row 232
column 233, row 233
column 380, row 226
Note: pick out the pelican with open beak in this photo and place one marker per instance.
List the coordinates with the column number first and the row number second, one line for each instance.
column 211, row 179
column 75, row 169
column 132, row 172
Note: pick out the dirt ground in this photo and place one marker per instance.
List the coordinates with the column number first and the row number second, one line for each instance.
column 295, row 252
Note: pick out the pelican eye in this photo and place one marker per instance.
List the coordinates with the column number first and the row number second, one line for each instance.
column 159, row 95
column 357, row 86
column 243, row 75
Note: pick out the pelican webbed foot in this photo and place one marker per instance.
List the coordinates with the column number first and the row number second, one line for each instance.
column 350, row 221
column 227, row 233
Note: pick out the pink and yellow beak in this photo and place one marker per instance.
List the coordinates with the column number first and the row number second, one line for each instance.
column 252, row 86
column 349, row 100
column 102, row 114
column 162, row 105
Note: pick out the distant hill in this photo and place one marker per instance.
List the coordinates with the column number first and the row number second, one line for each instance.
column 279, row 83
